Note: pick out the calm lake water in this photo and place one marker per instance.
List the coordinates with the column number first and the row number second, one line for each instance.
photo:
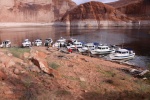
column 137, row 38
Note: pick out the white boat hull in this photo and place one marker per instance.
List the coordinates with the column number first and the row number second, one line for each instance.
column 114, row 57
column 81, row 50
column 94, row 52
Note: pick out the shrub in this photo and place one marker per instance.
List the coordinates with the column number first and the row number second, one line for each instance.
column 54, row 65
column 62, row 92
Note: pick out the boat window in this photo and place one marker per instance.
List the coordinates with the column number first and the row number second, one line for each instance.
column 118, row 52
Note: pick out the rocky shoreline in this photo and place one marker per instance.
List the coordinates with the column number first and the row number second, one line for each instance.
column 37, row 73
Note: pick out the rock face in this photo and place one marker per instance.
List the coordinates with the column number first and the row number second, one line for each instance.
column 93, row 14
column 38, row 59
column 134, row 8
column 33, row 10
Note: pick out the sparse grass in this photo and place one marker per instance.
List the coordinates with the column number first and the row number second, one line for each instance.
column 62, row 92
column 53, row 65
column 143, row 86
column 27, row 82
column 107, row 73
column 83, row 85
column 18, row 52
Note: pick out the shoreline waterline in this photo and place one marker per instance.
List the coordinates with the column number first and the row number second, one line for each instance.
column 85, row 23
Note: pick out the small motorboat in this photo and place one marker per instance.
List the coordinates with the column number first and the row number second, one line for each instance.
column 75, row 45
column 60, row 42
column 48, row 41
column 102, row 49
column 26, row 43
column 38, row 42
column 6, row 44
column 87, row 47
column 121, row 54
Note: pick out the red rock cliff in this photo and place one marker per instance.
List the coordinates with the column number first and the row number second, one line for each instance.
column 33, row 10
column 94, row 11
column 134, row 8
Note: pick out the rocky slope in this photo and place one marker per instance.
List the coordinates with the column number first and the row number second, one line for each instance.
column 40, row 74
column 93, row 12
column 134, row 8
column 33, row 10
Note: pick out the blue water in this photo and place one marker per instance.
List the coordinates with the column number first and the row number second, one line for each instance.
column 136, row 38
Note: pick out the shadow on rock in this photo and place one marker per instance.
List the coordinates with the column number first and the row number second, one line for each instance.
column 125, row 95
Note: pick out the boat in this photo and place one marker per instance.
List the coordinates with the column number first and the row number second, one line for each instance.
column 26, row 43
column 75, row 45
column 102, row 49
column 87, row 47
column 60, row 42
column 6, row 43
column 121, row 54
column 48, row 42
column 38, row 42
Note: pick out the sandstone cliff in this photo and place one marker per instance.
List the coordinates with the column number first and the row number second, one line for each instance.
column 139, row 9
column 94, row 13
column 33, row 10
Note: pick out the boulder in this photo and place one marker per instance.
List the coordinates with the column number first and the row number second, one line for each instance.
column 10, row 55
column 8, row 92
column 26, row 55
column 42, row 64
column 16, row 71
column 10, row 63
column 3, row 76
column 144, row 72
column 34, row 68
column 82, row 79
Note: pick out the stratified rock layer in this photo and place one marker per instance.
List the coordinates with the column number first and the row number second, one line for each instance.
column 93, row 12
column 33, row 10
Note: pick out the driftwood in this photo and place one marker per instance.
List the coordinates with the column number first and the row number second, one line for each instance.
column 136, row 72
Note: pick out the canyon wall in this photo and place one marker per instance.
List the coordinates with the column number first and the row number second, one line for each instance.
column 94, row 14
column 43, row 11
column 139, row 9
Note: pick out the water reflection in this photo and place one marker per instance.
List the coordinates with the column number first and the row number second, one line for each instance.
column 137, row 38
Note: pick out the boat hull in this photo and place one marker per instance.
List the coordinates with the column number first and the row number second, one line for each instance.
column 100, row 52
column 82, row 50
column 113, row 57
